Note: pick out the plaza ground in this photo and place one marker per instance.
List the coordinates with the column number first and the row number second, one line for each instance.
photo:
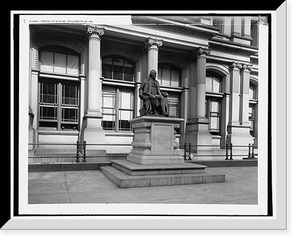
column 92, row 186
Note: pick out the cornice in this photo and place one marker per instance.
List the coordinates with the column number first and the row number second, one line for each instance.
column 164, row 22
column 232, row 46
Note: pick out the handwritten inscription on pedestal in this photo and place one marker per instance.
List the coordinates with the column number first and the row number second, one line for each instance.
column 162, row 138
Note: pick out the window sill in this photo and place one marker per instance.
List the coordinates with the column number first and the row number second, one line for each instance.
column 121, row 133
column 118, row 82
column 217, row 95
column 57, row 132
column 59, row 76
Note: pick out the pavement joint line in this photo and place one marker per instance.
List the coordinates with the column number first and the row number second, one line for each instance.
column 67, row 187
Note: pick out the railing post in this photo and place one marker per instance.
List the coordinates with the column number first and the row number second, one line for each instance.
column 190, row 147
column 184, row 151
column 253, row 151
column 249, row 151
column 226, row 147
column 84, row 151
column 231, row 152
column 77, row 151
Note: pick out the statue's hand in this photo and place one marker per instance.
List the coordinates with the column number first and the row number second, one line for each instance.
column 165, row 94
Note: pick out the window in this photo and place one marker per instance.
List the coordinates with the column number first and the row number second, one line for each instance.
column 169, row 75
column 59, row 60
column 58, row 97
column 59, row 104
column 125, row 109
column 251, row 117
column 108, row 109
column 252, row 92
column 213, row 112
column 117, row 108
column 213, row 84
column 253, row 102
column 117, row 68
column 173, row 102
column 213, row 102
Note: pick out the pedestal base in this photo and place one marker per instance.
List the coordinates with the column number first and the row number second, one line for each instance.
column 239, row 135
column 126, row 174
column 154, row 141
column 93, row 133
column 199, row 136
column 156, row 159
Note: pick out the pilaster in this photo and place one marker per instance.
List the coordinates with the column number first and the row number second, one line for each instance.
column 197, row 131
column 238, row 126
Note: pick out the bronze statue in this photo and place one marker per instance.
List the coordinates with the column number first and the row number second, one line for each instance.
column 154, row 101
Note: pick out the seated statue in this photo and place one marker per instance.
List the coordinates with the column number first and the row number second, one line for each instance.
column 154, row 101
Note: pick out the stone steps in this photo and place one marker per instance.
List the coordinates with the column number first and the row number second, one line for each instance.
column 126, row 174
column 134, row 169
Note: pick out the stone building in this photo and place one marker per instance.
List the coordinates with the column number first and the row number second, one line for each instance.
column 84, row 81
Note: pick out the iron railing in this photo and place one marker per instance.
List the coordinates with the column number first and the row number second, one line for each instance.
column 80, row 148
column 230, row 150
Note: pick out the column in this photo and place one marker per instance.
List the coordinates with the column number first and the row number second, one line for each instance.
column 235, row 93
column 225, row 108
column 94, row 87
column 93, row 132
column 201, row 55
column 245, row 82
column 151, row 46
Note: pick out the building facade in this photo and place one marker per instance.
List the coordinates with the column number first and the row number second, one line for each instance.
column 84, row 81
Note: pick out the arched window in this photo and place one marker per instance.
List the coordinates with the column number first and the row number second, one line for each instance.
column 169, row 75
column 59, row 60
column 58, row 89
column 118, row 68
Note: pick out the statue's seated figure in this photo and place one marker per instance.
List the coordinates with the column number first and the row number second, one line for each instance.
column 154, row 101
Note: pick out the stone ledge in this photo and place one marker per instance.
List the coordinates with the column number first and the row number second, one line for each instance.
column 134, row 169
column 124, row 180
column 66, row 166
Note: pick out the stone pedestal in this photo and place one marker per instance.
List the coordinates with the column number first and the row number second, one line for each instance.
column 154, row 141
column 155, row 159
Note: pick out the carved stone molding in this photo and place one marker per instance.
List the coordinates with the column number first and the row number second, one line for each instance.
column 66, row 42
column 235, row 65
column 153, row 43
column 247, row 67
column 202, row 51
column 94, row 32
column 241, row 66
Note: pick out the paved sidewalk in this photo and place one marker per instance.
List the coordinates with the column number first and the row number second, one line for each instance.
column 93, row 186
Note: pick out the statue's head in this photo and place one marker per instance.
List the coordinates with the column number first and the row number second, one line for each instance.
column 152, row 74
